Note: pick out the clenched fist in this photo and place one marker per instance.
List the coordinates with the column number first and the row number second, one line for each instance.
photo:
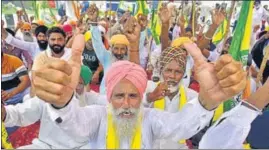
column 56, row 81
column 93, row 13
column 218, row 82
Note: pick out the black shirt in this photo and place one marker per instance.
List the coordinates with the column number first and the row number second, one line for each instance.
column 90, row 59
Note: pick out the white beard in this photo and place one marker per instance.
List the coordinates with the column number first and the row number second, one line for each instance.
column 27, row 37
column 125, row 127
column 171, row 88
column 81, row 98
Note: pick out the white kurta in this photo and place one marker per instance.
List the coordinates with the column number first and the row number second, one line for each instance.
column 172, row 107
column 50, row 135
column 31, row 47
column 93, row 98
column 91, row 123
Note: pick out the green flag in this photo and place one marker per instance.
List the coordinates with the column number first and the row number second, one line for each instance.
column 240, row 45
column 155, row 24
column 141, row 7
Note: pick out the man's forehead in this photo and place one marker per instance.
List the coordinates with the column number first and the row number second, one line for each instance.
column 172, row 64
column 56, row 35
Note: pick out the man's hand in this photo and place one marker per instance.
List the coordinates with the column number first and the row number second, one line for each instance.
column 218, row 17
column 3, row 111
column 132, row 31
column 93, row 13
column 57, row 80
column 160, row 92
column 143, row 21
column 6, row 95
column 19, row 24
column 164, row 14
column 124, row 17
column 218, row 82
column 3, row 30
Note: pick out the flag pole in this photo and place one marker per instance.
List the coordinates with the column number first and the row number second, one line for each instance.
column 25, row 14
column 193, row 18
column 228, row 25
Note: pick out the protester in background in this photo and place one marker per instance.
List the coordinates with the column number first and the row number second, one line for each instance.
column 22, row 54
column 123, row 46
column 34, row 48
column 15, row 79
column 87, row 97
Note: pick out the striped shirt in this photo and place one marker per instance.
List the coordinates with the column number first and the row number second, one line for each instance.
column 12, row 70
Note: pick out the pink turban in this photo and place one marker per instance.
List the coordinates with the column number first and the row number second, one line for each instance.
column 126, row 70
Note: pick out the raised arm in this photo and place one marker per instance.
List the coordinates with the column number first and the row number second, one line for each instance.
column 236, row 122
column 28, row 46
column 132, row 31
column 222, row 86
column 165, row 16
column 217, row 18
column 99, row 48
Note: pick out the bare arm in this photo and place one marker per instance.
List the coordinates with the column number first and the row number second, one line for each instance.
column 165, row 16
column 70, row 42
column 217, row 19
column 25, row 82
column 133, row 35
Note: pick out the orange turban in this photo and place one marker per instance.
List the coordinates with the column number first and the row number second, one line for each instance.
column 26, row 26
column 40, row 22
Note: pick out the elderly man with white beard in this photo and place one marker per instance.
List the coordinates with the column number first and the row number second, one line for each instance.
column 170, row 94
column 124, row 123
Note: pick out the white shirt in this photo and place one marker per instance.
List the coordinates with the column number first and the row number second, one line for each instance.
column 215, row 54
column 31, row 47
column 176, row 32
column 91, row 123
column 93, row 98
column 172, row 107
column 259, row 15
column 50, row 135
column 231, row 132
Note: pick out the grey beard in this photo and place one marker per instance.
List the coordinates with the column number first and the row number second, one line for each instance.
column 125, row 127
column 28, row 38
column 114, row 59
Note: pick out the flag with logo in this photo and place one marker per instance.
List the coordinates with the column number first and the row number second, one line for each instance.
column 240, row 45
